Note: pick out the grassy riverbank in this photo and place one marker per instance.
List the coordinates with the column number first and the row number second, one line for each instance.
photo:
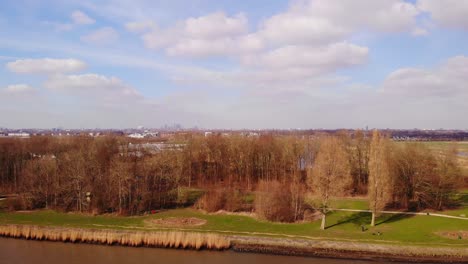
column 241, row 243
column 402, row 238
column 342, row 226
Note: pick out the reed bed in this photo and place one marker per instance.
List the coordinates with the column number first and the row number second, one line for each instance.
column 168, row 239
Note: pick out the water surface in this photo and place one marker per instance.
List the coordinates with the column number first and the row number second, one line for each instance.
column 18, row 251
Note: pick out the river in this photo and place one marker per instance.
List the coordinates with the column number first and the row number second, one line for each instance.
column 18, row 251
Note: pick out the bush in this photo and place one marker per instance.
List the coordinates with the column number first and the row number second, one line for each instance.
column 234, row 200
column 278, row 202
column 18, row 203
column 228, row 199
column 211, row 201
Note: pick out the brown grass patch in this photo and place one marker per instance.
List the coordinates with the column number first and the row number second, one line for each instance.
column 462, row 234
column 176, row 222
column 170, row 239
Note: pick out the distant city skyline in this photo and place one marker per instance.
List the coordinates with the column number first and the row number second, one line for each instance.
column 234, row 64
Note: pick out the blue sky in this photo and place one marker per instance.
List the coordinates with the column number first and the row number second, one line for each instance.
column 234, row 64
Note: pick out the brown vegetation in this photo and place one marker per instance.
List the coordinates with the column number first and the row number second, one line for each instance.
column 462, row 234
column 380, row 181
column 176, row 222
column 114, row 175
column 331, row 173
column 229, row 199
column 274, row 201
column 171, row 239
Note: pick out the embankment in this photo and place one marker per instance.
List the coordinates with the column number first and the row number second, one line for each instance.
column 266, row 245
column 350, row 250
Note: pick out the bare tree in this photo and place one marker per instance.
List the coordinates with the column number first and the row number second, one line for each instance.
column 330, row 174
column 120, row 177
column 447, row 177
column 380, row 185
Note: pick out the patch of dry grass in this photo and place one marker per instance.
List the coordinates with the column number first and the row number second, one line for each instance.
column 169, row 239
column 176, row 222
column 462, row 234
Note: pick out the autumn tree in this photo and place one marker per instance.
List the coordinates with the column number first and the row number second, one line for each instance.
column 447, row 176
column 413, row 165
column 359, row 151
column 273, row 201
column 380, row 182
column 120, row 179
column 330, row 174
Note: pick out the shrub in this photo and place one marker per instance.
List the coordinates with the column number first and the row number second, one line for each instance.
column 228, row 199
column 18, row 203
column 275, row 201
column 212, row 201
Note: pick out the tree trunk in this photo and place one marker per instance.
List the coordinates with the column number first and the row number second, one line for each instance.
column 322, row 226
column 373, row 219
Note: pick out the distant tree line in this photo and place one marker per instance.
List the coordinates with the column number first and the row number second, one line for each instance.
column 110, row 174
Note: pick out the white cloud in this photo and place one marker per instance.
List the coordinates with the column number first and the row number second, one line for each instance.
column 213, row 34
column 214, row 47
column 304, row 23
column 321, row 59
column 93, row 85
column 216, row 25
column 77, row 18
column 445, row 81
column 447, row 13
column 301, row 28
column 102, row 36
column 45, row 66
column 81, row 18
column 18, row 90
column 140, row 26
column 323, row 21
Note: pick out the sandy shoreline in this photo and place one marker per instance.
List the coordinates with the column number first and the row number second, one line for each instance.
column 250, row 244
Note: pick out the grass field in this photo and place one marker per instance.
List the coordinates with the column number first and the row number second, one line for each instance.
column 420, row 230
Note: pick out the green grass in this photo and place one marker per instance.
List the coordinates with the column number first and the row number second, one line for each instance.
column 341, row 225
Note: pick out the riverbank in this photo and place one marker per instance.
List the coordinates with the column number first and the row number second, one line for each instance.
column 251, row 244
column 350, row 250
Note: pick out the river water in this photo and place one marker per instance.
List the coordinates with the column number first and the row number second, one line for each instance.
column 18, row 251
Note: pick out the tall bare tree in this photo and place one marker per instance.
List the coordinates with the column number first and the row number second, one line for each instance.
column 380, row 186
column 330, row 174
column 448, row 176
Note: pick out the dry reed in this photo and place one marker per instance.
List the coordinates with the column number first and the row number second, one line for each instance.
column 169, row 239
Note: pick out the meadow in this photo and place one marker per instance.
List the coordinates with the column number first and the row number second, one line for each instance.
column 341, row 226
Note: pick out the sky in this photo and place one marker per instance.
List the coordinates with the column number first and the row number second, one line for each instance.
column 229, row 64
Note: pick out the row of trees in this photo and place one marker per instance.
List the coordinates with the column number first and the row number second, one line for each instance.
column 87, row 174
column 407, row 176
column 112, row 174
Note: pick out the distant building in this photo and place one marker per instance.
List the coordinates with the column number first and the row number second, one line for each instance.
column 144, row 135
column 136, row 135
column 19, row 135
column 208, row 133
